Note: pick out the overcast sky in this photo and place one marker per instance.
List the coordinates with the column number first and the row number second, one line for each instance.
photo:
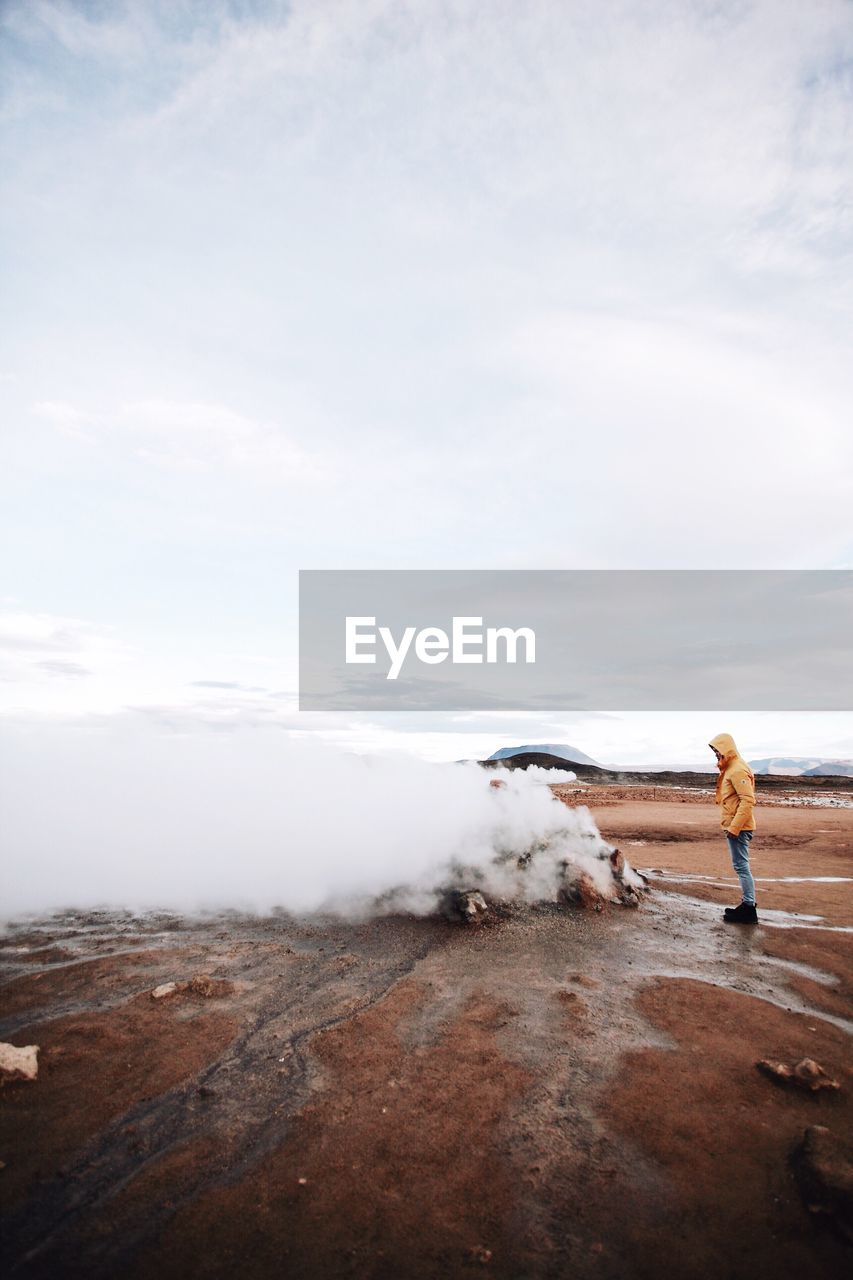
column 367, row 284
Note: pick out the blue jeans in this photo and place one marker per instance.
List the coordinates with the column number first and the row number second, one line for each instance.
column 739, row 849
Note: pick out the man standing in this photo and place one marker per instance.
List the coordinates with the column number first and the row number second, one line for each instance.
column 736, row 798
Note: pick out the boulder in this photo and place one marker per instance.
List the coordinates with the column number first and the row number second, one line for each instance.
column 582, row 891
column 823, row 1166
column 18, row 1063
column 465, row 905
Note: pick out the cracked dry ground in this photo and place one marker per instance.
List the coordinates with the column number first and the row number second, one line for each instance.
column 559, row 1094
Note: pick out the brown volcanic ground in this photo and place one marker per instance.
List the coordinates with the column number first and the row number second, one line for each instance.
column 560, row 1094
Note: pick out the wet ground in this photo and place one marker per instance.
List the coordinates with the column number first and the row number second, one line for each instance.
column 562, row 1093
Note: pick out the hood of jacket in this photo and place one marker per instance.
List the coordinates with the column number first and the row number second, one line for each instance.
column 725, row 744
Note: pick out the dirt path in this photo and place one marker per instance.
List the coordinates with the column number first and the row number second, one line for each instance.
column 562, row 1094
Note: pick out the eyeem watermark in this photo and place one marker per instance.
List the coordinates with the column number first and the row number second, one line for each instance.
column 467, row 642
column 576, row 640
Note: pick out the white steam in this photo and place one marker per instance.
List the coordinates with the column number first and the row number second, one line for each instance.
column 253, row 821
column 538, row 774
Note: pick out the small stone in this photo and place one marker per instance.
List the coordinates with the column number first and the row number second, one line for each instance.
column 303, row 1182
column 18, row 1063
column 165, row 989
column 812, row 1076
column 479, row 1253
column 805, row 1074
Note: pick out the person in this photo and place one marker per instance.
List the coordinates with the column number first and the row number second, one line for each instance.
column 736, row 797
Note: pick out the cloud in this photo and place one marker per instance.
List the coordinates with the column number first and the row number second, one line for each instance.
column 59, row 667
column 186, row 436
column 26, row 633
column 227, row 684
column 76, row 33
column 66, row 418
column 39, row 647
column 658, row 120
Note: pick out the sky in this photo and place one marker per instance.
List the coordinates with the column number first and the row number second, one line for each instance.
column 367, row 284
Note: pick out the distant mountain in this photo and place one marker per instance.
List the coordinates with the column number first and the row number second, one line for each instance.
column 792, row 765
column 564, row 752
column 803, row 766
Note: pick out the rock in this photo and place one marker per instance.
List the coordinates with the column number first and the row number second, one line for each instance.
column 480, row 1254
column 805, row 1074
column 811, row 1075
column 201, row 985
column 467, row 905
column 631, row 884
column 582, row 891
column 617, row 863
column 824, row 1170
column 18, row 1064
column 776, row 1071
column 206, row 987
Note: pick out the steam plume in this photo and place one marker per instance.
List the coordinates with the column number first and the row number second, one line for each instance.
column 252, row 821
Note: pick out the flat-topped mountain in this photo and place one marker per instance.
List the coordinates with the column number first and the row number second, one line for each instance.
column 560, row 750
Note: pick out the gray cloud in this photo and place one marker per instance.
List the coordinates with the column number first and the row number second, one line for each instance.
column 58, row 667
column 227, row 684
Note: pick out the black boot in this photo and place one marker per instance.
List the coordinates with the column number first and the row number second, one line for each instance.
column 744, row 914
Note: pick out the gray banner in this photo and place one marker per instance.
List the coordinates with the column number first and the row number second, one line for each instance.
column 603, row 640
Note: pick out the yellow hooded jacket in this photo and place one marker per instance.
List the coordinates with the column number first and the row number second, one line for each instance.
column 735, row 786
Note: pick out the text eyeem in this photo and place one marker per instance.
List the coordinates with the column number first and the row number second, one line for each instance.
column 468, row 641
